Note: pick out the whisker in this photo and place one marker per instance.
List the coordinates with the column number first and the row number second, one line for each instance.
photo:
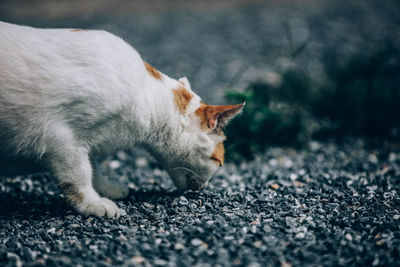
column 187, row 169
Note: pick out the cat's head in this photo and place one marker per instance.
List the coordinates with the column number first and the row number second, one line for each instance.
column 200, row 150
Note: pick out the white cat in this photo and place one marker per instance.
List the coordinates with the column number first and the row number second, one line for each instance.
column 68, row 94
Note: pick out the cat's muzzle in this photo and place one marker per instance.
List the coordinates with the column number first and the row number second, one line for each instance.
column 194, row 183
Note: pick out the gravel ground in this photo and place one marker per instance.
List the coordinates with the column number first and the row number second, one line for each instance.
column 328, row 205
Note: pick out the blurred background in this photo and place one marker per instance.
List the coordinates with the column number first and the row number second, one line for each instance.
column 307, row 69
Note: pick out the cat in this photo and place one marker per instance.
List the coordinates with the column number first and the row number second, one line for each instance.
column 69, row 94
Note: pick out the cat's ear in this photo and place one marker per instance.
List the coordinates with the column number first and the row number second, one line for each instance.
column 185, row 82
column 213, row 116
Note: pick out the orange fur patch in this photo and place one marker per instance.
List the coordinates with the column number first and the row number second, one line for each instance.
column 78, row 30
column 219, row 154
column 72, row 193
column 201, row 112
column 182, row 98
column 152, row 71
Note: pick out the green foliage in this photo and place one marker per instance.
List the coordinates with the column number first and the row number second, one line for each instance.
column 360, row 96
column 260, row 126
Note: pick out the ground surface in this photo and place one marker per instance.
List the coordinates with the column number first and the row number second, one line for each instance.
column 329, row 205
column 326, row 206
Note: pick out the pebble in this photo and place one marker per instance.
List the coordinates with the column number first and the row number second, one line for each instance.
column 373, row 158
column 196, row 242
column 141, row 162
column 392, row 157
column 273, row 162
column 160, row 262
column 300, row 235
column 314, row 146
column 122, row 237
column 349, row 237
column 122, row 156
column 14, row 259
column 258, row 244
column 183, row 200
column 179, row 246
column 293, row 176
column 114, row 164
column 137, row 260
column 148, row 205
column 274, row 186
column 52, row 230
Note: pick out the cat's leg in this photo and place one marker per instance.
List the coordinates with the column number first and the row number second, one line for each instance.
column 108, row 188
column 72, row 167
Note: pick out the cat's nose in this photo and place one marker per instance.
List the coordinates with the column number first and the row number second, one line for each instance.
column 195, row 184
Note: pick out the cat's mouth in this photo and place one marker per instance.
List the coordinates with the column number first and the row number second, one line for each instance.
column 189, row 180
column 195, row 184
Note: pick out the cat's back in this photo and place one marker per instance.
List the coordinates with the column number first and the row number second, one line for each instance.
column 64, row 59
column 17, row 39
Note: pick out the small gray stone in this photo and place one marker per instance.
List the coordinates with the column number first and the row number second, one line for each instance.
column 14, row 258
column 196, row 242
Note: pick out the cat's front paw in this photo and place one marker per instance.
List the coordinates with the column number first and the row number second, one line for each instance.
column 101, row 207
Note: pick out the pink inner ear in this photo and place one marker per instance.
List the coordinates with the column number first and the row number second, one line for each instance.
column 212, row 123
column 212, row 115
column 225, row 113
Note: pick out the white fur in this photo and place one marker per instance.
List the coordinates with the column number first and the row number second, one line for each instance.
column 66, row 95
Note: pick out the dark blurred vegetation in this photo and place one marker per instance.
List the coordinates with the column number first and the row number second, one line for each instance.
column 359, row 96
column 261, row 125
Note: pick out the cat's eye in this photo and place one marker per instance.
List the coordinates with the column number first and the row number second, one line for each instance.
column 216, row 161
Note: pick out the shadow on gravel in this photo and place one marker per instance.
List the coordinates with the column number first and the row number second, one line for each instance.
column 160, row 195
column 147, row 195
column 28, row 205
column 30, row 197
